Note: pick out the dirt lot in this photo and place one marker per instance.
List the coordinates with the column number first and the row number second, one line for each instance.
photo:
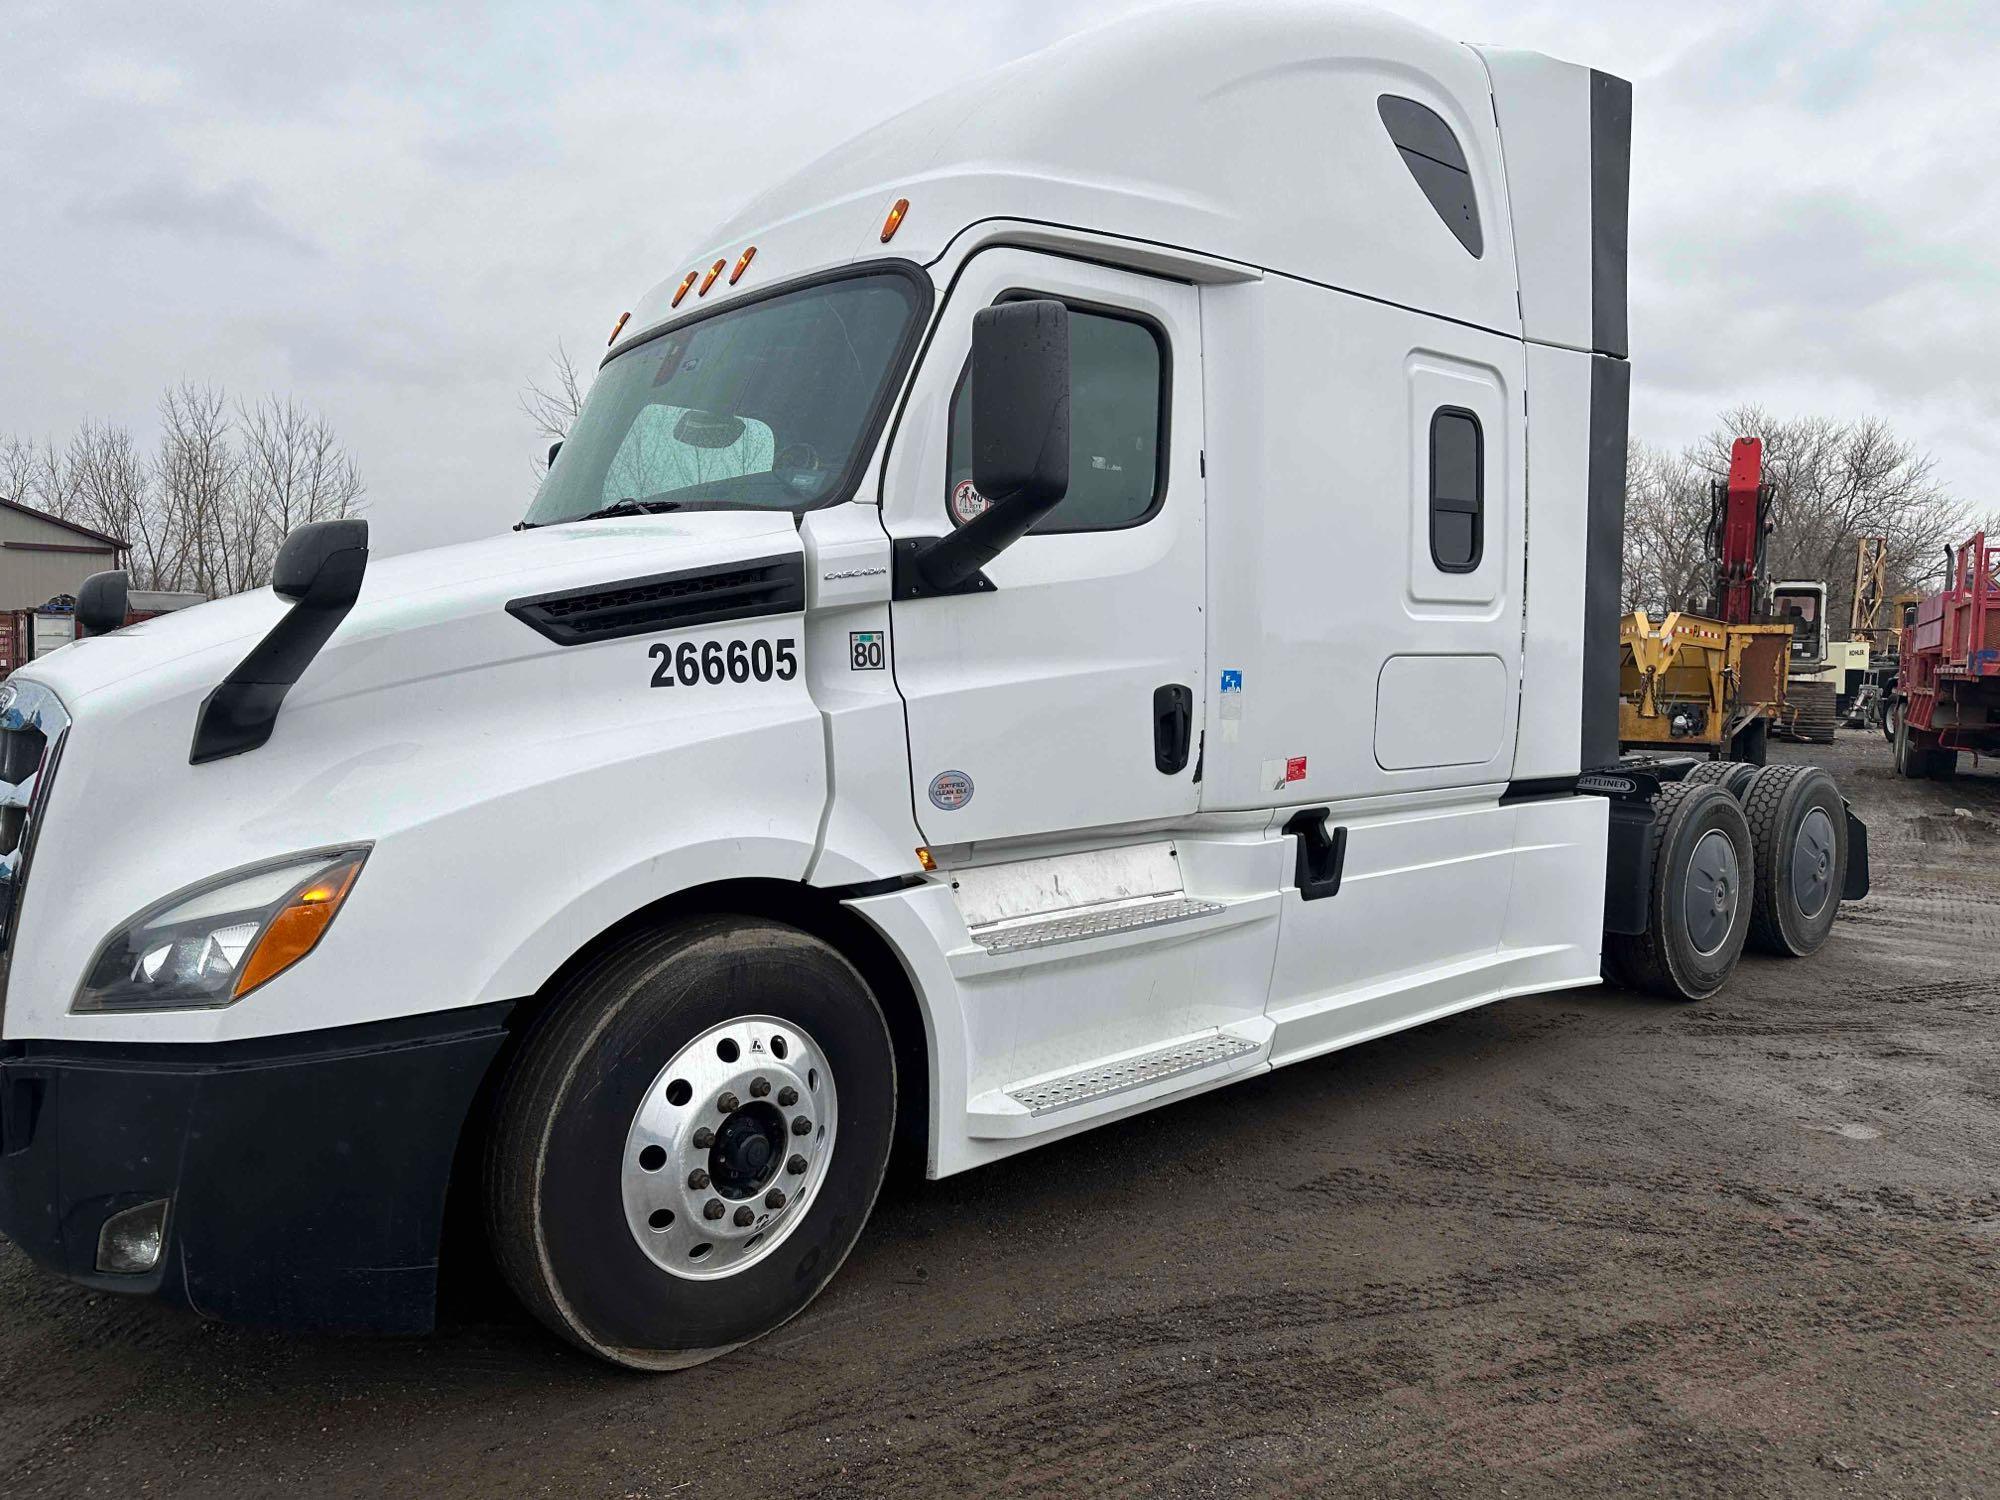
column 1578, row 1242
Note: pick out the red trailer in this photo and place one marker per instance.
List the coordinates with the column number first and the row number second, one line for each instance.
column 1948, row 692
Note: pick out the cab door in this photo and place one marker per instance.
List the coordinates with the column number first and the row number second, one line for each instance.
column 1066, row 694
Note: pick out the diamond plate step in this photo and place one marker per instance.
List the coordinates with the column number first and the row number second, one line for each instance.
column 1095, row 1082
column 1075, row 926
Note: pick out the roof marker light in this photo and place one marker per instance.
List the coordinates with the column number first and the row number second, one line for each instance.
column 688, row 282
column 618, row 328
column 742, row 265
column 895, row 219
column 709, row 280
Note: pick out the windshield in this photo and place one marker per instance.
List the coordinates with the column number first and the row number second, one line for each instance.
column 764, row 406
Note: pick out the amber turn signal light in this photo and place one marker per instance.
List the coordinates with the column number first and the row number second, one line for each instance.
column 296, row 930
column 891, row 224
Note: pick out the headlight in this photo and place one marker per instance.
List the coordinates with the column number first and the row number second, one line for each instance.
column 213, row 943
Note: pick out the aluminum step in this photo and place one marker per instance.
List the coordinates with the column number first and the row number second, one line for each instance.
column 1067, row 1090
column 1075, row 926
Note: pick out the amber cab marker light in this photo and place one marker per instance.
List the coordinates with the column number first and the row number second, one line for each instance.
column 742, row 265
column 895, row 219
column 296, row 930
column 683, row 291
column 709, row 280
column 618, row 328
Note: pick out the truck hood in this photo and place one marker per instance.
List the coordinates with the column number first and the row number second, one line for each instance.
column 416, row 593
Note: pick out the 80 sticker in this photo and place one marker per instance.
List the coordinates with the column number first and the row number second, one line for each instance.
column 692, row 663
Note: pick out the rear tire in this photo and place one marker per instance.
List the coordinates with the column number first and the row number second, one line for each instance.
column 1798, row 826
column 588, row 1100
column 1698, row 903
column 1733, row 776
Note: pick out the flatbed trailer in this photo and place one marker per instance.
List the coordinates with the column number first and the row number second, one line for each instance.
column 1947, row 696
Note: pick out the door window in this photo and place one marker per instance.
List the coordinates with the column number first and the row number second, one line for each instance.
column 1117, row 427
column 1458, row 491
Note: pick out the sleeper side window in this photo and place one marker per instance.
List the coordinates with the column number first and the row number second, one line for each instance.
column 1118, row 375
column 1458, row 490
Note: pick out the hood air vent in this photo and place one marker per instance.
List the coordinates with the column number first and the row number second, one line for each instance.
column 667, row 601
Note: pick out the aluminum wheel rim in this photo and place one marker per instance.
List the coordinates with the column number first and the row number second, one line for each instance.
column 1708, row 902
column 693, row 1146
column 1812, row 863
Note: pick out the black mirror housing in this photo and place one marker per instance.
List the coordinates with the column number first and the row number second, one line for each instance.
column 1020, row 402
column 102, row 603
column 1020, row 443
column 319, row 568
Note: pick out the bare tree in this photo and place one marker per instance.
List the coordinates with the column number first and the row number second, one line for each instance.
column 196, row 471
column 293, row 470
column 1835, row 483
column 208, row 510
column 1666, row 524
column 552, row 403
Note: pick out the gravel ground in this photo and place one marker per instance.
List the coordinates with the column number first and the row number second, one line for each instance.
column 1577, row 1242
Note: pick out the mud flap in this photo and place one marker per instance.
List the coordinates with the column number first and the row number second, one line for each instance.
column 1856, row 883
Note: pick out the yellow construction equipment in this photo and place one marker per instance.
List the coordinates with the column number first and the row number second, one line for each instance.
column 1692, row 683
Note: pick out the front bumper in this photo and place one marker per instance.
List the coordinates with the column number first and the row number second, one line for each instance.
column 305, row 1174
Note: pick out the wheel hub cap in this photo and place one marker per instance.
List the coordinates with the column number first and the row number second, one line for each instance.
column 1812, row 863
column 1709, row 902
column 729, row 1147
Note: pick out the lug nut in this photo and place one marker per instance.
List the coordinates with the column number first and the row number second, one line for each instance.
column 802, row 1126
column 712, row 1209
column 759, row 1087
column 704, row 1138
column 697, row 1179
column 788, row 1096
column 775, row 1198
column 745, row 1217
column 728, row 1104
column 796, row 1166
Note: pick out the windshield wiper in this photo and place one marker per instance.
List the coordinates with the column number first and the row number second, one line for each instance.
column 630, row 507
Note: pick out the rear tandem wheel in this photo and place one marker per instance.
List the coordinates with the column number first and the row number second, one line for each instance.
column 1698, row 897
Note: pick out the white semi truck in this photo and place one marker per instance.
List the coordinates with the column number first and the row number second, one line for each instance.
column 1103, row 586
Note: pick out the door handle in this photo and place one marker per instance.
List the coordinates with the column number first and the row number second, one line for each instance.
column 1173, row 727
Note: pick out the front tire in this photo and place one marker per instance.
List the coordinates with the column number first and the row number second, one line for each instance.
column 1698, row 901
column 689, row 1141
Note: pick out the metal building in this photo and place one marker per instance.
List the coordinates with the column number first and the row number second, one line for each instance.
column 43, row 558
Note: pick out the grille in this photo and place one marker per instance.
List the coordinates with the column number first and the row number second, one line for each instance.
column 668, row 601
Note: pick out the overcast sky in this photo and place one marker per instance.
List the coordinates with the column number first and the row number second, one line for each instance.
column 393, row 212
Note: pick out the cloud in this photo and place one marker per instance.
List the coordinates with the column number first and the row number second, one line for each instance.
column 393, row 213
column 235, row 212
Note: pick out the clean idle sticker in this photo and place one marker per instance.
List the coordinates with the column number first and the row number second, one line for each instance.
column 950, row 790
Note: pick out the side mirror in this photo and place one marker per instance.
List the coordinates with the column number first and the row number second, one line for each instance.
column 554, row 449
column 102, row 603
column 1020, row 436
column 319, row 568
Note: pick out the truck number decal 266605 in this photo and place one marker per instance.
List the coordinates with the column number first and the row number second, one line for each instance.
column 712, row 662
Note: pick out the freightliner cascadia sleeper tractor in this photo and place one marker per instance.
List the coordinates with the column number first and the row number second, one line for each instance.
column 1103, row 586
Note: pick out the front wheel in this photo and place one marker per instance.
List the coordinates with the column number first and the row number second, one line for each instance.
column 689, row 1141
